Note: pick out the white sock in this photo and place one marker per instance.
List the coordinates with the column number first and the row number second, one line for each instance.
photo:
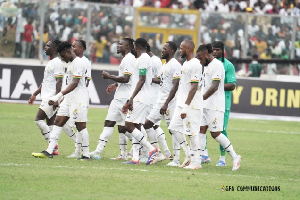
column 128, row 135
column 135, row 149
column 70, row 132
column 152, row 137
column 144, row 149
column 225, row 143
column 176, row 149
column 78, row 143
column 85, row 143
column 202, row 143
column 123, row 144
column 222, row 158
column 51, row 127
column 162, row 140
column 205, row 152
column 141, row 139
column 182, row 141
column 55, row 134
column 104, row 137
column 195, row 159
column 45, row 130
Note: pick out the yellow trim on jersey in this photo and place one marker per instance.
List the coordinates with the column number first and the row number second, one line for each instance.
column 59, row 76
column 127, row 73
column 216, row 79
column 89, row 78
column 176, row 77
column 158, row 77
column 194, row 81
column 79, row 77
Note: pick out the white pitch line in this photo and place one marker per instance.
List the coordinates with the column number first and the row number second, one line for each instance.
column 144, row 170
column 264, row 131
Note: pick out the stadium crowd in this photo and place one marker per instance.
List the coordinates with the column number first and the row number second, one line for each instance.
column 268, row 36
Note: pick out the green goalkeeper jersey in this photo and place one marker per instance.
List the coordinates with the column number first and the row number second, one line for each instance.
column 229, row 78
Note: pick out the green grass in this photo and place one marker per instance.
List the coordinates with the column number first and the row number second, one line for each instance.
column 269, row 149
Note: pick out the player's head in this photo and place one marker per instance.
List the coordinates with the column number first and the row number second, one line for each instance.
column 51, row 47
column 78, row 47
column 218, row 49
column 203, row 54
column 126, row 44
column 186, row 48
column 168, row 50
column 140, row 45
column 65, row 51
column 255, row 57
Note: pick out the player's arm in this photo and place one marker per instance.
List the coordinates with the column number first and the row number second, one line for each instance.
column 172, row 93
column 59, row 80
column 192, row 92
column 212, row 89
column 156, row 80
column 230, row 77
column 33, row 96
column 120, row 79
column 249, row 73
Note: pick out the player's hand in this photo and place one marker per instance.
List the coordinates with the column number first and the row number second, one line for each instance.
column 55, row 98
column 125, row 108
column 55, row 105
column 31, row 99
column 163, row 109
column 111, row 88
column 184, row 111
column 130, row 104
column 105, row 75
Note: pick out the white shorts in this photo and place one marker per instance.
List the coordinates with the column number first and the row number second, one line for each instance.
column 213, row 119
column 150, row 108
column 48, row 109
column 138, row 114
column 155, row 115
column 189, row 125
column 115, row 112
column 76, row 112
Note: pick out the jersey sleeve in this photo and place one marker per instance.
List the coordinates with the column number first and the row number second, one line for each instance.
column 230, row 74
column 128, row 66
column 79, row 70
column 195, row 74
column 58, row 69
column 217, row 72
column 144, row 64
column 89, row 71
column 176, row 72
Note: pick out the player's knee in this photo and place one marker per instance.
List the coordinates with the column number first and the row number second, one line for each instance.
column 108, row 123
column 129, row 127
column 121, row 129
column 148, row 124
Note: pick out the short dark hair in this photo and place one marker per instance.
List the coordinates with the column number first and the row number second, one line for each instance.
column 141, row 43
column 130, row 41
column 255, row 56
column 220, row 45
column 83, row 43
column 63, row 45
column 172, row 45
column 55, row 42
column 205, row 47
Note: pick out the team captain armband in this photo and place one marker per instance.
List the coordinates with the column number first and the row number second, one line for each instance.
column 177, row 77
column 216, row 79
column 127, row 73
column 79, row 77
column 194, row 81
column 143, row 72
column 59, row 76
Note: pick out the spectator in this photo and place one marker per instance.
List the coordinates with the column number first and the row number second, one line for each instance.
column 223, row 7
column 100, row 45
column 7, row 42
column 253, row 28
column 261, row 45
column 255, row 68
column 266, row 54
column 27, row 39
column 270, row 37
column 259, row 8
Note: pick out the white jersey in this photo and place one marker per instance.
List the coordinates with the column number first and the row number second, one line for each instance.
column 88, row 66
column 53, row 70
column 156, row 65
column 167, row 73
column 126, row 68
column 77, row 69
column 142, row 65
column 214, row 72
column 190, row 73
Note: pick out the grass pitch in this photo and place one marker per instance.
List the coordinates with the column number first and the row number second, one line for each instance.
column 269, row 150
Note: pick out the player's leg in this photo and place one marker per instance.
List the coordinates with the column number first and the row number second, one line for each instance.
column 107, row 132
column 176, row 127
column 81, row 127
column 161, row 137
column 41, row 124
column 176, row 152
column 216, row 125
column 195, row 159
column 50, row 123
column 203, row 138
column 122, row 143
column 224, row 132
